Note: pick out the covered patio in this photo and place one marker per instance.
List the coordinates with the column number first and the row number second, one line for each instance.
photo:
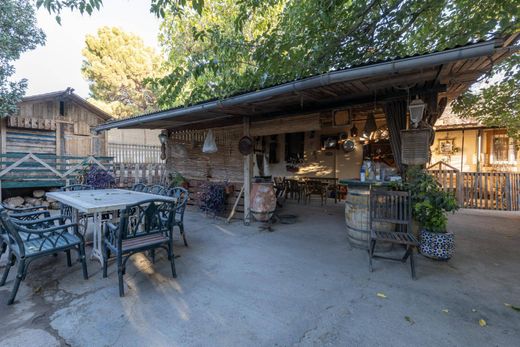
column 300, row 285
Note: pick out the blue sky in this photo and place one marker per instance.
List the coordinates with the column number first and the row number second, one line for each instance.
column 56, row 65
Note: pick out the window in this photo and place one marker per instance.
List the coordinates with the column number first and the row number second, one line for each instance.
column 503, row 149
column 62, row 108
column 294, row 146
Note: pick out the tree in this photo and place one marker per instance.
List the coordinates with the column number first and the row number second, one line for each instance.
column 495, row 104
column 117, row 66
column 18, row 34
column 239, row 45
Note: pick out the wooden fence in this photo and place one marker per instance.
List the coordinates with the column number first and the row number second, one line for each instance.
column 141, row 154
column 129, row 174
column 31, row 170
column 480, row 190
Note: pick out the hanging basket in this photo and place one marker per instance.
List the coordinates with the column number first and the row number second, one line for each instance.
column 415, row 146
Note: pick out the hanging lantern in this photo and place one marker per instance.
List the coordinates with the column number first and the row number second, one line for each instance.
column 163, row 137
column 353, row 131
column 416, row 108
column 370, row 125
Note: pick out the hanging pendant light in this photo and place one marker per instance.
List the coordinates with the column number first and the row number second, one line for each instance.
column 370, row 125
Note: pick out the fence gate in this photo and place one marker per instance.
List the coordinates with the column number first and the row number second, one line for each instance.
column 480, row 190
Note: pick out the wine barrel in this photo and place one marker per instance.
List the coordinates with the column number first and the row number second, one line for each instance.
column 357, row 220
column 263, row 200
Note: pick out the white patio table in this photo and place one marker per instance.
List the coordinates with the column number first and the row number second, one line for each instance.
column 98, row 202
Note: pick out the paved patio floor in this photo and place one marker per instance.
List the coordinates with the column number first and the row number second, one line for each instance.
column 301, row 285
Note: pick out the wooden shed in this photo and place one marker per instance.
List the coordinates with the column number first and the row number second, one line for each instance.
column 56, row 128
column 55, row 123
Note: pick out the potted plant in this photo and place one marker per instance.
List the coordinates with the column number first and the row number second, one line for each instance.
column 212, row 198
column 430, row 206
column 177, row 180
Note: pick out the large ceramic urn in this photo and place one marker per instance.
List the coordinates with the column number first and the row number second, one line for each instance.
column 263, row 201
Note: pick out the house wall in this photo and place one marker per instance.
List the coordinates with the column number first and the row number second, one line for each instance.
column 185, row 156
column 466, row 158
column 184, row 152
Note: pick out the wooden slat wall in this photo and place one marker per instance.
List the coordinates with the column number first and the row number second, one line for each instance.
column 36, row 141
column 225, row 165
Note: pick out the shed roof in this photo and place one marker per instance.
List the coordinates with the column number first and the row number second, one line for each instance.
column 450, row 72
column 70, row 95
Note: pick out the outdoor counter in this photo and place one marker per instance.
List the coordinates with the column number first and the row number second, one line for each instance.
column 357, row 213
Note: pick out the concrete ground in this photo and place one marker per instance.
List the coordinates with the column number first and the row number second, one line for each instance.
column 301, row 285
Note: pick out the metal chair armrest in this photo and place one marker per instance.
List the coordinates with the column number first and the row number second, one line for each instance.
column 23, row 209
column 42, row 231
column 42, row 221
column 25, row 216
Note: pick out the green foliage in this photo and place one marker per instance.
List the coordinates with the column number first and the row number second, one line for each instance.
column 430, row 202
column 18, row 34
column 56, row 6
column 176, row 180
column 495, row 104
column 218, row 48
column 234, row 46
column 117, row 66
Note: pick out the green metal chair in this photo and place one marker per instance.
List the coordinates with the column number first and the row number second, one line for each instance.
column 138, row 187
column 33, row 239
column 154, row 189
column 181, row 195
column 25, row 213
column 142, row 227
column 67, row 211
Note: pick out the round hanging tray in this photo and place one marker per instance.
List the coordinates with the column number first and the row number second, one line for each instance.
column 245, row 145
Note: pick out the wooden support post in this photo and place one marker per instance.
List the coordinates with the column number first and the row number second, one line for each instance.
column 247, row 177
column 57, row 133
column 3, row 135
column 3, row 146
column 509, row 195
column 460, row 188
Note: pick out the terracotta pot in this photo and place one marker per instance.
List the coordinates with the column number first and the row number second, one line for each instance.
column 439, row 246
column 263, row 201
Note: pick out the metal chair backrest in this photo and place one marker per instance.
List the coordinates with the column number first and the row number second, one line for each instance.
column 154, row 189
column 138, row 187
column 182, row 195
column 391, row 207
column 314, row 186
column 75, row 187
column 9, row 233
column 147, row 217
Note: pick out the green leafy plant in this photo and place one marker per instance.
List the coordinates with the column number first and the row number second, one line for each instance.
column 430, row 204
column 177, row 180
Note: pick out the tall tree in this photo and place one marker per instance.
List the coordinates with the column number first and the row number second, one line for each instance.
column 18, row 34
column 313, row 36
column 117, row 65
column 234, row 46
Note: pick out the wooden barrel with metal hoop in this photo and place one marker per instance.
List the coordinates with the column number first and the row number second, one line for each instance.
column 357, row 219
